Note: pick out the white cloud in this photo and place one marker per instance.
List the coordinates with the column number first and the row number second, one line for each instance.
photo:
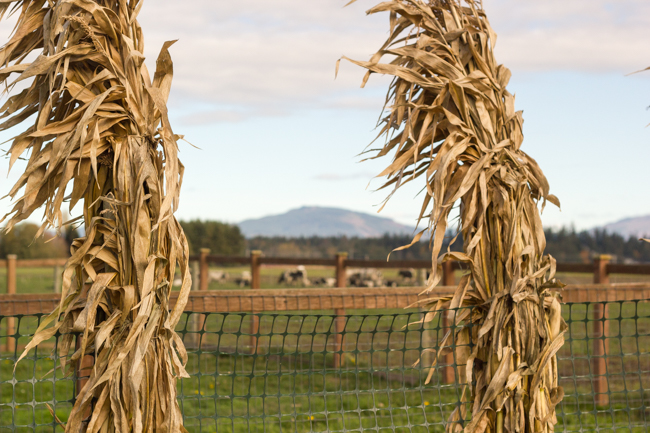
column 259, row 57
column 582, row 35
column 255, row 57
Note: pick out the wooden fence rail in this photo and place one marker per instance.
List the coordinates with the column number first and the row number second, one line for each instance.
column 341, row 299
column 282, row 300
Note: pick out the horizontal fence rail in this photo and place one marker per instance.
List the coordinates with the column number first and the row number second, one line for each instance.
column 585, row 268
column 275, row 300
column 304, row 372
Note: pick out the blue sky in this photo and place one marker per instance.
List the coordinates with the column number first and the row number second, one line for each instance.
column 254, row 88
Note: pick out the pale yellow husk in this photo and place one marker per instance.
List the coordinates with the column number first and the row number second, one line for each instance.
column 451, row 123
column 97, row 131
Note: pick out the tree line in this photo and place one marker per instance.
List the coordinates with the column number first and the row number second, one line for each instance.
column 23, row 242
column 566, row 245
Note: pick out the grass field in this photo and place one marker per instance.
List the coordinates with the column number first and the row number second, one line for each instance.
column 289, row 383
column 41, row 280
column 30, row 280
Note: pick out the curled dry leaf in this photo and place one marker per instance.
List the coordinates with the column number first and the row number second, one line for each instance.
column 97, row 131
column 451, row 123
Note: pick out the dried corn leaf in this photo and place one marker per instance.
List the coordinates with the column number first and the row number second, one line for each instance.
column 450, row 122
column 101, row 133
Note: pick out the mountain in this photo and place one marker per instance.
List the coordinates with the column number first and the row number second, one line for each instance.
column 322, row 221
column 635, row 226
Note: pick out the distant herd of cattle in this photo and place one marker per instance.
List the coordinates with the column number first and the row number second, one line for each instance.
column 298, row 277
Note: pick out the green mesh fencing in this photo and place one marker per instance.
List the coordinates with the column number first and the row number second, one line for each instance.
column 285, row 378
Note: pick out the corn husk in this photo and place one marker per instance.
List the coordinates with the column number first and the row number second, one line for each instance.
column 96, row 131
column 451, row 123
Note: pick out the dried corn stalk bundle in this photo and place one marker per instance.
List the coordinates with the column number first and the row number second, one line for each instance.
column 451, row 121
column 99, row 133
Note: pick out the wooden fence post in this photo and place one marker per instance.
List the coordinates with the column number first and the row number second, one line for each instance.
column 422, row 277
column 204, row 269
column 82, row 367
column 448, row 279
column 85, row 365
column 255, row 270
column 341, row 269
column 255, row 285
column 196, row 275
column 11, row 290
column 341, row 279
column 204, row 282
column 196, row 322
column 57, row 279
column 600, row 333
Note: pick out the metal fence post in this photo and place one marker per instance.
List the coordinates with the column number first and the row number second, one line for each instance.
column 448, row 279
column 11, row 290
column 600, row 333
column 339, row 324
column 256, row 284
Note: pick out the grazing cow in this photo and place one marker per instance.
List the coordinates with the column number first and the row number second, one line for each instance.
column 244, row 280
column 296, row 276
column 365, row 278
column 324, row 282
column 217, row 275
column 406, row 274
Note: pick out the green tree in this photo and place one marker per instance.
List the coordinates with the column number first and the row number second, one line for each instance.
column 22, row 241
column 69, row 233
column 220, row 238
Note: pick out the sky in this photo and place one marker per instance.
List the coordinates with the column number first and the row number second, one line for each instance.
column 254, row 90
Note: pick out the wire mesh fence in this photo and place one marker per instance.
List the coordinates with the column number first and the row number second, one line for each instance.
column 315, row 372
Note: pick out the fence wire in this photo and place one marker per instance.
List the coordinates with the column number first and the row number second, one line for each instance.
column 296, row 373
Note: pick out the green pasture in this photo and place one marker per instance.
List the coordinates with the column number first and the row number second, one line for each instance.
column 41, row 280
column 30, row 280
column 289, row 383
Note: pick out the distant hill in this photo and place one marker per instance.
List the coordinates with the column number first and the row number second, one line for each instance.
column 322, row 221
column 635, row 226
